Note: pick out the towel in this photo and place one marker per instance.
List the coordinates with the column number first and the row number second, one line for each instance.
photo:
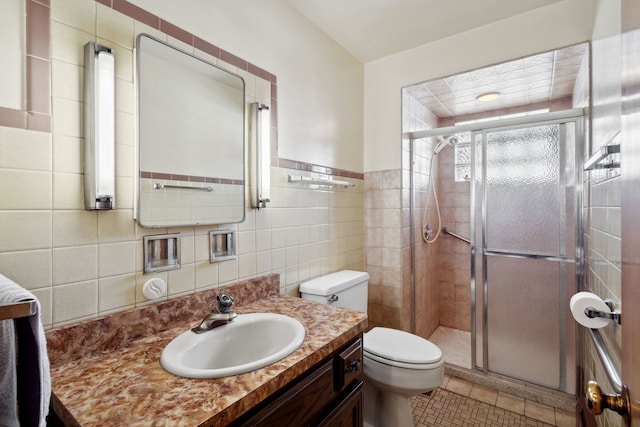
column 25, row 381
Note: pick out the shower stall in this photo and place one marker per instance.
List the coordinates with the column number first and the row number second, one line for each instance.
column 524, row 257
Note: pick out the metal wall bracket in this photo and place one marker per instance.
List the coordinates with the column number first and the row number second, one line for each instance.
column 596, row 161
column 614, row 315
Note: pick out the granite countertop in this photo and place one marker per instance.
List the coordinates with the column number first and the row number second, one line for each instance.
column 103, row 374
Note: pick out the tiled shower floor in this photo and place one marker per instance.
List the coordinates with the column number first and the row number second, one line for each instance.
column 455, row 345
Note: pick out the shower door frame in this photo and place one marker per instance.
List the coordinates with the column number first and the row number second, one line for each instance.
column 577, row 259
column 573, row 115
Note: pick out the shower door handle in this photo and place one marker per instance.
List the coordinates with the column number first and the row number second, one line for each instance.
column 598, row 401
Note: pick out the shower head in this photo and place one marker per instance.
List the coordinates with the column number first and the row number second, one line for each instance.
column 443, row 142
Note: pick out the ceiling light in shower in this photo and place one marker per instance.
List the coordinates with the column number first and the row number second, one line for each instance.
column 488, row 96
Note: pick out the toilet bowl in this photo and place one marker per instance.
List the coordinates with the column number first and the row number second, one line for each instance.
column 397, row 364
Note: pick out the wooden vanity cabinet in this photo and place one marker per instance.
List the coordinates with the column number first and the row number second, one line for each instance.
column 328, row 395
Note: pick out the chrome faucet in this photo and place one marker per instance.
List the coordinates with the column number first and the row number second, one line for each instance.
column 221, row 315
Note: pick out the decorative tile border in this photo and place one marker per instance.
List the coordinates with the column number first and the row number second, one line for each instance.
column 166, row 27
column 190, row 178
column 155, row 22
column 38, row 113
column 309, row 167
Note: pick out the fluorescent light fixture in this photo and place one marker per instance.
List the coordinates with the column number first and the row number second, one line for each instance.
column 99, row 127
column 260, row 155
column 488, row 96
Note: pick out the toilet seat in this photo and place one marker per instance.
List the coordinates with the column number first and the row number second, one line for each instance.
column 402, row 349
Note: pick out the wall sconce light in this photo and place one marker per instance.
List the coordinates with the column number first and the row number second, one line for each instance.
column 260, row 134
column 99, row 127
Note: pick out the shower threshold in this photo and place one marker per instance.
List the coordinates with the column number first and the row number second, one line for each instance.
column 456, row 349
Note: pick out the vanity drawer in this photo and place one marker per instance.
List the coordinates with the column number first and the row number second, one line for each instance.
column 348, row 366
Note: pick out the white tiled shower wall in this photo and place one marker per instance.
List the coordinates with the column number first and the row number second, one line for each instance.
column 82, row 264
column 603, row 197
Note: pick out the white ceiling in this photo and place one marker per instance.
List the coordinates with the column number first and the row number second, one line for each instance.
column 536, row 79
column 372, row 29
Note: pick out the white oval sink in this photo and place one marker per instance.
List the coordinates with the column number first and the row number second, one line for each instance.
column 249, row 342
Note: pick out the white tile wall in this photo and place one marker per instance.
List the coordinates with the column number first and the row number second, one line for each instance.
column 603, row 202
column 26, row 151
column 83, row 264
column 116, row 292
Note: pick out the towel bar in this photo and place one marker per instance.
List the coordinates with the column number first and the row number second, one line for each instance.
column 15, row 311
column 160, row 186
column 320, row 181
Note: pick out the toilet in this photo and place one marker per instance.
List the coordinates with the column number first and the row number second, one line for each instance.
column 397, row 364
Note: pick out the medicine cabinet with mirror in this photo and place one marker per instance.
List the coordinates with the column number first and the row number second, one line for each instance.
column 191, row 138
column 25, row 86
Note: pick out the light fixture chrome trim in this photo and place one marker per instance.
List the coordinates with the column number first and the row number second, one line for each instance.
column 99, row 127
column 260, row 155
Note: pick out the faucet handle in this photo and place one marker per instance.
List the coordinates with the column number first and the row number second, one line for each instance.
column 225, row 301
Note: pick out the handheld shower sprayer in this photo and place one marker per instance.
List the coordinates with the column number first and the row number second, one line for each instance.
column 443, row 142
column 427, row 231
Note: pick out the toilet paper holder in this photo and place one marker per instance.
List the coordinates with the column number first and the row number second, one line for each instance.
column 614, row 315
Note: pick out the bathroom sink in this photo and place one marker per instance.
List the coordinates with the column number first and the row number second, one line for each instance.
column 249, row 342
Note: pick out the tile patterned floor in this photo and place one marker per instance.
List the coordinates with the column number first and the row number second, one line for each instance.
column 461, row 403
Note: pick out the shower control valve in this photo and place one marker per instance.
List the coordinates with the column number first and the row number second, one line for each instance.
column 428, row 232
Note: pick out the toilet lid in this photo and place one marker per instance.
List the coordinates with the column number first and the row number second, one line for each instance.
column 400, row 346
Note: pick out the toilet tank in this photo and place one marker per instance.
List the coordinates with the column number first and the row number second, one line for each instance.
column 346, row 288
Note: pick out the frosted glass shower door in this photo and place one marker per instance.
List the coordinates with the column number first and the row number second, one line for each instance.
column 524, row 251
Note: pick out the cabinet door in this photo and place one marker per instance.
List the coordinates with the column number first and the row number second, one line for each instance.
column 301, row 404
column 348, row 413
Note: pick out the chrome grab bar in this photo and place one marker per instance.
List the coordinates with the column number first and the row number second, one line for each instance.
column 445, row 230
column 607, row 363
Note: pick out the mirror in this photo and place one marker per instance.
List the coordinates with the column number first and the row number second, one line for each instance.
column 190, row 139
column 25, row 103
column 12, row 31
